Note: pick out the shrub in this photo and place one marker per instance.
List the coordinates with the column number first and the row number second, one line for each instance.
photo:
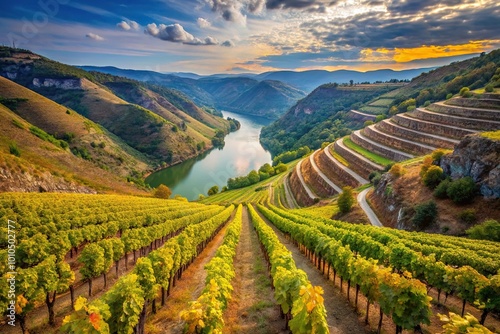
column 68, row 112
column 487, row 230
column 411, row 108
column 376, row 180
column 379, row 118
column 427, row 103
column 212, row 191
column 368, row 123
column 427, row 162
column 462, row 190
column 465, row 92
column 201, row 197
column 388, row 167
column 397, row 170
column 449, row 96
column 442, row 189
column 345, row 200
column 425, row 214
column 373, row 174
column 324, row 144
column 437, row 155
column 468, row 216
column 280, row 168
column 162, row 192
column 18, row 124
column 489, row 88
column 14, row 150
column 433, row 176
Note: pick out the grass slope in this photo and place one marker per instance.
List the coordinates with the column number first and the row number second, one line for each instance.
column 44, row 166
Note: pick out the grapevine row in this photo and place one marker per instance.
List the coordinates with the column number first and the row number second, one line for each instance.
column 465, row 282
column 123, row 308
column 205, row 314
column 404, row 299
column 293, row 291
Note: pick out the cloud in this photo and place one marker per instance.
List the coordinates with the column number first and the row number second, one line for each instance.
column 124, row 25
column 95, row 37
column 228, row 43
column 297, row 4
column 175, row 33
column 230, row 10
column 202, row 23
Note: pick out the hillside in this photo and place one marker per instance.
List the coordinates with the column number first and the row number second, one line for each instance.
column 319, row 117
column 157, row 134
column 30, row 162
column 82, row 136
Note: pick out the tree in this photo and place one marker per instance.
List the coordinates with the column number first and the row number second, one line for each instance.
column 267, row 168
column 92, row 258
column 53, row 278
column 280, row 168
column 346, row 200
column 253, row 177
column 163, row 191
column 351, row 82
column 214, row 190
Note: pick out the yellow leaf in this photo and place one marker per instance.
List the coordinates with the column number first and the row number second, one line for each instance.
column 80, row 303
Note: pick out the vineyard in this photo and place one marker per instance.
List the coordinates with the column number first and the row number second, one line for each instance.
column 111, row 264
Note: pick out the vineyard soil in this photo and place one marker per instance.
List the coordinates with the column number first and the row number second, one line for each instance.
column 253, row 308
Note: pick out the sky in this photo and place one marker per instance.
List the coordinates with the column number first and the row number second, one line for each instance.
column 235, row 36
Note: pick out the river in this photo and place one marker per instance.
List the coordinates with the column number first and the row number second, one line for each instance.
column 241, row 153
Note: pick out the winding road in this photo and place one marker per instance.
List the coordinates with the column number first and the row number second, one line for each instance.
column 367, row 209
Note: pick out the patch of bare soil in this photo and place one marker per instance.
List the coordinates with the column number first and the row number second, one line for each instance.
column 252, row 308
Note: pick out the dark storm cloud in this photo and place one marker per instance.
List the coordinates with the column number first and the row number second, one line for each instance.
column 399, row 29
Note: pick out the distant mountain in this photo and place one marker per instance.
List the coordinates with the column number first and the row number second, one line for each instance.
column 309, row 80
column 267, row 98
column 224, row 92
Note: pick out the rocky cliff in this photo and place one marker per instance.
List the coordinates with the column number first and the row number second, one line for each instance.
column 476, row 156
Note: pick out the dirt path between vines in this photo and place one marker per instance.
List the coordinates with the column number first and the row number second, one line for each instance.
column 341, row 317
column 187, row 289
column 253, row 308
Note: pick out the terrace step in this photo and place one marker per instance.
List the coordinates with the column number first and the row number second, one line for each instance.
column 360, row 164
column 390, row 127
column 298, row 191
column 491, row 96
column 346, row 170
column 469, row 112
column 474, row 103
column 360, row 116
column 314, row 181
column 417, row 124
column 409, row 146
column 308, row 190
column 378, row 148
column 465, row 122
column 326, row 182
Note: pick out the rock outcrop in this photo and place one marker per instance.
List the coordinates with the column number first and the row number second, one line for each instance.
column 478, row 157
column 58, row 83
column 36, row 181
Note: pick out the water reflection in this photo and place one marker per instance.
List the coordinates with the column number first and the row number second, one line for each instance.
column 240, row 155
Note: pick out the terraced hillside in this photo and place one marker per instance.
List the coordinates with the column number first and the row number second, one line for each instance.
column 349, row 160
